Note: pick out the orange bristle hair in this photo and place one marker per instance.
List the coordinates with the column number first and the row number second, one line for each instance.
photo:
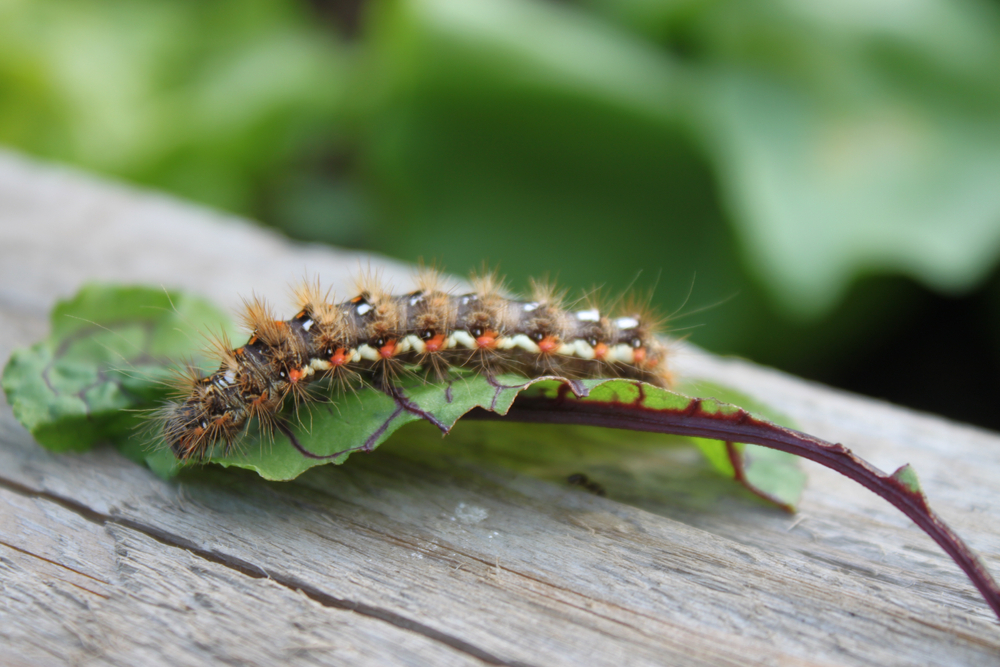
column 376, row 336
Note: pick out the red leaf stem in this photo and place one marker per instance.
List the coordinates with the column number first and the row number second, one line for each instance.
column 740, row 426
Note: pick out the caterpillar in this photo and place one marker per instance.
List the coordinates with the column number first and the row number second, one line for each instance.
column 375, row 337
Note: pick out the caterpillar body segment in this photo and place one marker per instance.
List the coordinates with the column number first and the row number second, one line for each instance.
column 376, row 336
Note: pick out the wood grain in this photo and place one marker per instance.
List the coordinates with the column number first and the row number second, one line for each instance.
column 400, row 558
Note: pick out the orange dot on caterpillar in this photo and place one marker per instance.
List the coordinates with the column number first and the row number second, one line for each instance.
column 374, row 336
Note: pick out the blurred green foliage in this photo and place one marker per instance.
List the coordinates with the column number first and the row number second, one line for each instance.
column 212, row 100
column 808, row 171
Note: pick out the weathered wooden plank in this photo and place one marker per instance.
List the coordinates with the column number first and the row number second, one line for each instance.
column 57, row 562
column 408, row 559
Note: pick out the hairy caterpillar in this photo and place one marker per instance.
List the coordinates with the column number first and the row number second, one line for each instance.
column 376, row 336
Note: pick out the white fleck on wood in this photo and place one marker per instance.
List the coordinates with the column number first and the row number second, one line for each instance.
column 396, row 559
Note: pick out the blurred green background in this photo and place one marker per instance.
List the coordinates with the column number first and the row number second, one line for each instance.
column 813, row 185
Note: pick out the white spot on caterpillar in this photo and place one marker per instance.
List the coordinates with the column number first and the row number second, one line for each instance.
column 403, row 345
column 529, row 307
column 307, row 325
column 592, row 315
column 525, row 343
column 363, row 309
column 414, row 343
column 414, row 300
column 355, row 356
column 623, row 354
column 230, row 377
column 368, row 353
column 319, row 364
column 463, row 339
column 583, row 349
column 626, row 323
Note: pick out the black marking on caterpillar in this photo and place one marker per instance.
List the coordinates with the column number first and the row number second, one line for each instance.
column 377, row 337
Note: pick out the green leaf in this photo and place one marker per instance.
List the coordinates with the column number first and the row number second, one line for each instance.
column 111, row 349
column 109, row 353
column 771, row 474
column 826, row 194
column 768, row 473
column 364, row 420
column 328, row 432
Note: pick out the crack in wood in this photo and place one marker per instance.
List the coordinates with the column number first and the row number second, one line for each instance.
column 250, row 570
column 52, row 562
column 32, row 554
column 548, row 589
